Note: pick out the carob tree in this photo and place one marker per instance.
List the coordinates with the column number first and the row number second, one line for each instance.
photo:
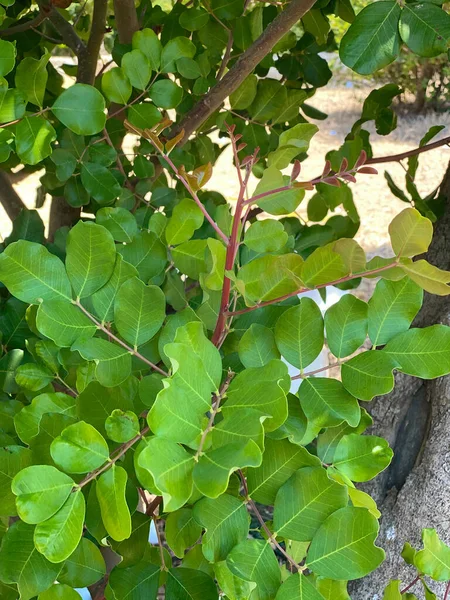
column 154, row 340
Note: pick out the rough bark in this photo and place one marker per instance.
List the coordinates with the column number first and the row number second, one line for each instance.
column 126, row 20
column 414, row 492
column 9, row 199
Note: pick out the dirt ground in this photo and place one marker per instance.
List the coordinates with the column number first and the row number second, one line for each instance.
column 375, row 203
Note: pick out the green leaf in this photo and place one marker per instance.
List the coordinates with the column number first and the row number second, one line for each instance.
column 113, row 506
column 113, row 363
column 178, row 47
column 171, row 467
column 33, row 377
column 133, row 549
column 84, row 566
column 116, row 86
column 281, row 203
column 257, row 346
column 65, row 162
column 332, row 590
column 41, row 490
column 190, row 584
column 425, row 29
column 193, row 19
column 34, row 136
column 434, row 559
column 265, row 236
column 144, row 115
column 369, row 374
column 189, row 258
column 429, row 277
column 392, row 308
column 146, row 253
column 100, row 182
column 96, row 402
column 269, row 100
column 122, row 426
column 280, row 460
column 90, row 258
column 165, row 93
column 346, row 325
column 373, row 39
column 292, row 142
column 241, row 424
column 226, row 522
column 59, row 592
column 244, row 95
column 31, row 78
column 103, row 299
column 410, row 233
column 79, row 449
column 27, row 421
column 31, row 273
column 323, row 266
column 299, row 333
column 12, row 460
column 178, row 413
column 254, row 560
column 8, row 365
column 63, row 322
column 186, row 218
column 81, row 108
column 182, row 531
column 424, row 353
column 139, row 582
column 7, row 57
column 139, row 311
column 22, row 564
column 136, row 68
column 303, row 503
column 120, row 223
column 12, row 105
column 57, row 537
column 327, row 403
column 362, row 457
column 148, row 43
column 298, row 587
column 233, row 587
column 344, row 548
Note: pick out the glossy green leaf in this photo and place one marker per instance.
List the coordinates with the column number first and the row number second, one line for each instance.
column 63, row 322
column 113, row 506
column 425, row 29
column 324, row 265
column 7, row 57
column 239, row 425
column 122, row 426
column 281, row 203
column 146, row 253
column 41, row 490
column 103, row 299
column 292, row 142
column 84, row 566
column 257, row 346
column 27, row 421
column 33, row 377
column 31, row 273
column 298, row 587
column 428, row 277
column 299, row 333
column 116, row 85
column 59, row 592
column 332, row 590
column 139, row 582
column 182, row 530
column 189, row 258
column 193, row 19
column 410, row 233
column 99, row 182
column 434, row 559
column 176, row 48
column 31, row 78
column 120, row 223
column 346, row 325
column 190, row 584
column 12, row 460
column 81, row 108
column 369, row 374
column 362, row 457
column 148, row 43
column 231, row 585
column 266, row 236
column 244, row 95
column 34, row 136
column 343, row 548
column 96, row 402
column 254, row 560
column 327, row 403
column 139, row 311
column 185, row 219
column 165, row 93
column 79, row 449
column 136, row 68
column 113, row 363
column 57, row 537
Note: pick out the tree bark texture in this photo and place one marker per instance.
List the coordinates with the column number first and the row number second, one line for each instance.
column 414, row 492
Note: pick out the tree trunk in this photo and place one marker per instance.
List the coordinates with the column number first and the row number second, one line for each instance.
column 414, row 493
column 9, row 198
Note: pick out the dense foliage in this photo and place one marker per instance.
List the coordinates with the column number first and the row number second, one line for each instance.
column 153, row 349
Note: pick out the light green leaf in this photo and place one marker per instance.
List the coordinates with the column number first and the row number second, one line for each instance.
column 424, row 353
column 59, row 592
column 332, row 590
column 298, row 587
column 233, row 587
column 103, row 299
column 22, row 564
column 113, row 362
column 12, row 460
column 434, row 559
column 182, row 531
column 299, row 333
column 171, row 467
column 254, row 560
column 84, row 567
column 215, row 264
column 34, row 136
column 327, row 403
column 257, row 346
column 27, row 421
column 373, row 40
column 292, row 142
column 81, row 108
column 41, row 490
column 31, row 273
column 139, row 582
column 113, row 506
column 33, row 377
column 190, row 584
column 351, row 252
column 178, row 47
column 425, row 29
column 186, row 218
column 96, row 402
column 392, row 308
column 346, row 325
column 51, row 425
column 146, row 253
column 244, row 95
column 280, row 460
column 189, row 258
column 79, row 449
column 266, row 236
column 57, row 537
column 122, row 426
column 120, row 223
column 392, row 590
column 63, row 322
column 343, row 548
column 116, row 86
column 369, row 374
column 410, row 233
column 362, row 457
column 323, row 266
column 90, row 258
column 165, row 93
column 226, row 522
column 429, row 277
column 136, row 67
column 139, row 311
column 148, row 42
column 7, row 57
column 281, row 203
column 303, row 503
column 31, row 78
column 239, row 426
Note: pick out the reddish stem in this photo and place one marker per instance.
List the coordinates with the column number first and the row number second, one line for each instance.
column 447, row 591
column 408, row 587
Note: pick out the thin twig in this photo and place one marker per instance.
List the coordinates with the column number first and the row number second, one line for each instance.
column 160, row 544
column 226, row 56
column 413, row 582
column 447, row 591
column 310, row 373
